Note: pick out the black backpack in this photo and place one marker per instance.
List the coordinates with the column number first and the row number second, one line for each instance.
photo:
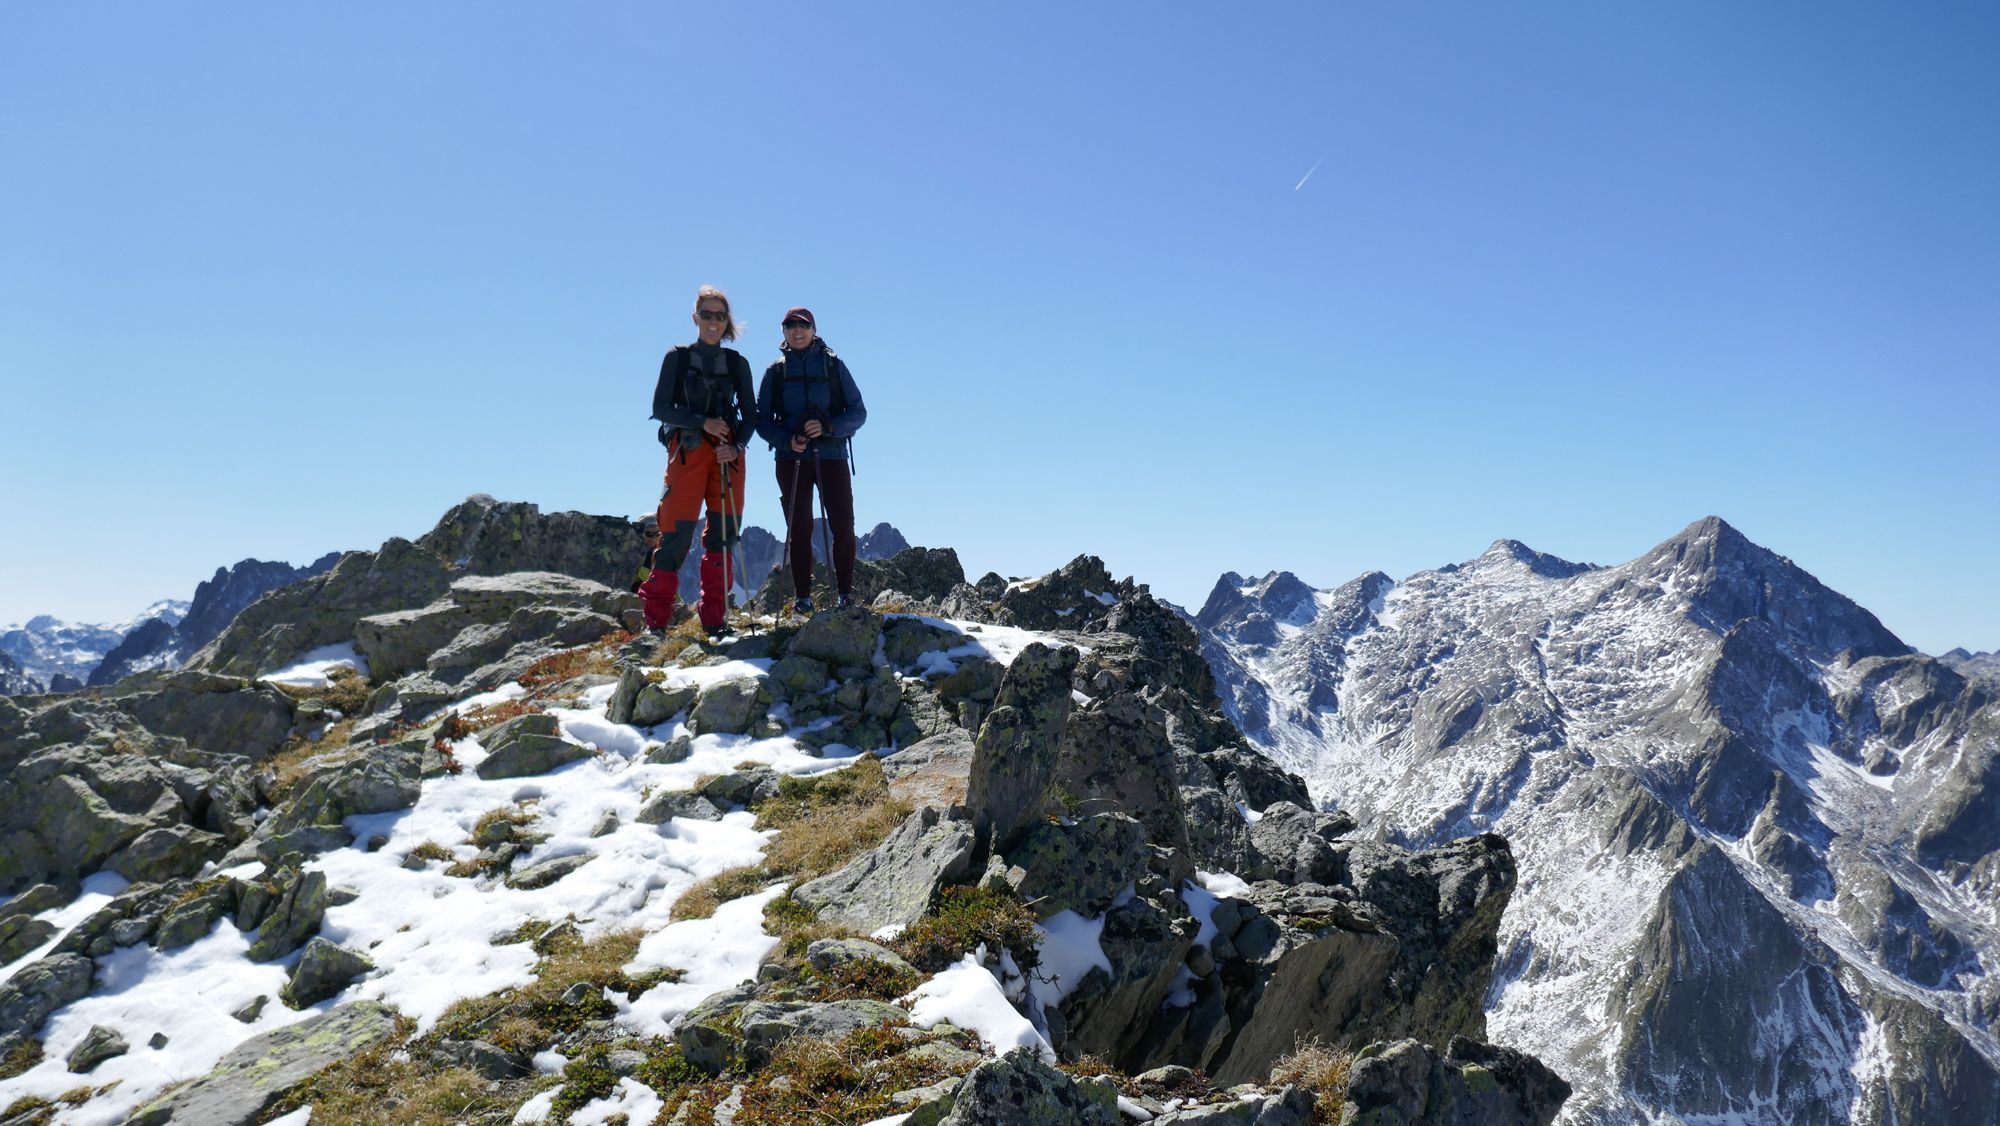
column 701, row 391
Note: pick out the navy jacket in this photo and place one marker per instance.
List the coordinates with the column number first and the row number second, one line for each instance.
column 797, row 382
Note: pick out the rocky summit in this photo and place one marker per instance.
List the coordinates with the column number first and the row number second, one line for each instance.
column 975, row 852
column 1757, row 835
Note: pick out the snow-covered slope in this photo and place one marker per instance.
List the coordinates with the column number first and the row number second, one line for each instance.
column 1757, row 835
column 431, row 931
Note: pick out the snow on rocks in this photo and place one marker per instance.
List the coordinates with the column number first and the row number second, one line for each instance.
column 315, row 669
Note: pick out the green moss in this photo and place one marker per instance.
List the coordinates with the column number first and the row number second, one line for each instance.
column 586, row 1078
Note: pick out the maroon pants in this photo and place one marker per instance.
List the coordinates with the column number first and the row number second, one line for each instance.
column 797, row 478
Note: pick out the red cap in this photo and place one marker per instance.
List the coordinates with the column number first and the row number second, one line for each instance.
column 800, row 313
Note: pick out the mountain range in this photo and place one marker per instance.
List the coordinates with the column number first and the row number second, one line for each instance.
column 51, row 652
column 1758, row 835
column 434, row 838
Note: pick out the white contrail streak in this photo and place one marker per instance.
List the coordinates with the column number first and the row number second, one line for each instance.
column 1309, row 174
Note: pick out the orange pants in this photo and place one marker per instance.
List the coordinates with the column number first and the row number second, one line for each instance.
column 695, row 478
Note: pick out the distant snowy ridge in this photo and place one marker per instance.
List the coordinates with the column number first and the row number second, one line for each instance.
column 1759, row 854
column 47, row 647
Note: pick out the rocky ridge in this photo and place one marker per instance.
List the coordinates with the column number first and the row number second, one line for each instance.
column 160, row 643
column 1781, row 817
column 1056, row 743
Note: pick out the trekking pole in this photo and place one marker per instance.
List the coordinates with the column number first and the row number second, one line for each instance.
column 732, row 561
column 728, row 587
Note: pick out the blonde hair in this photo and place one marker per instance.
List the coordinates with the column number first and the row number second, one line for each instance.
column 708, row 291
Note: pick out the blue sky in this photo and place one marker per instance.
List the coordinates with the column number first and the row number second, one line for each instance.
column 282, row 281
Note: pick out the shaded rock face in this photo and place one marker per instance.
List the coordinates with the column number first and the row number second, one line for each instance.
column 1470, row 1083
column 88, row 787
column 1779, row 813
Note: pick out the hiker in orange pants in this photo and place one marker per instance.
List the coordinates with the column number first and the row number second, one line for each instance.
column 705, row 408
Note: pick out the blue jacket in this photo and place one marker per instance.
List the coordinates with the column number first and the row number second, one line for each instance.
column 795, row 384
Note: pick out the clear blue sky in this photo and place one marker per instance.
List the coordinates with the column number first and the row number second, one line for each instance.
column 280, row 279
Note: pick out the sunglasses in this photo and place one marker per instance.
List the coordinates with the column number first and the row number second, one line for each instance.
column 798, row 324
column 649, row 533
column 712, row 315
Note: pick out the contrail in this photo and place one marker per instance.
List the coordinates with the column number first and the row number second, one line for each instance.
column 1309, row 174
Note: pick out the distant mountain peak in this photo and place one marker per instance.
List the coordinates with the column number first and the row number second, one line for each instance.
column 1540, row 562
column 1725, row 578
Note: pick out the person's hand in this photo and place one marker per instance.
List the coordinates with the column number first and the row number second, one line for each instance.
column 716, row 429
column 798, row 443
column 725, row 453
column 812, row 428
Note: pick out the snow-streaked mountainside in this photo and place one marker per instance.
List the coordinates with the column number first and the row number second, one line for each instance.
column 1758, row 836
column 47, row 646
column 216, row 604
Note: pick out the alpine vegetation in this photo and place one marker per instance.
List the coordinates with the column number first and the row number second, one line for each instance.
column 436, row 837
column 1757, row 836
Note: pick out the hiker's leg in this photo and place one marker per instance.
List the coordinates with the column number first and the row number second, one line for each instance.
column 714, row 539
column 836, row 491
column 796, row 477
column 680, row 508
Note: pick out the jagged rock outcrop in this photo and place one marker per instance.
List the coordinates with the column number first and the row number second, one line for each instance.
column 1779, row 811
column 89, row 787
column 1078, row 791
column 161, row 643
column 482, row 536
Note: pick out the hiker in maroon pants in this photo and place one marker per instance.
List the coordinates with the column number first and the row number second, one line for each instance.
column 807, row 409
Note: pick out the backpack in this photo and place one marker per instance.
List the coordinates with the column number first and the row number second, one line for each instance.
column 702, row 390
column 836, row 393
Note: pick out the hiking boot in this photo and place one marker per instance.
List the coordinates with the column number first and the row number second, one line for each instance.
column 803, row 607
column 846, row 602
column 718, row 633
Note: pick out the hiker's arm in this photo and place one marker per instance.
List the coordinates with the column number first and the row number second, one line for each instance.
column 850, row 420
column 745, row 422
column 768, row 427
column 675, row 418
